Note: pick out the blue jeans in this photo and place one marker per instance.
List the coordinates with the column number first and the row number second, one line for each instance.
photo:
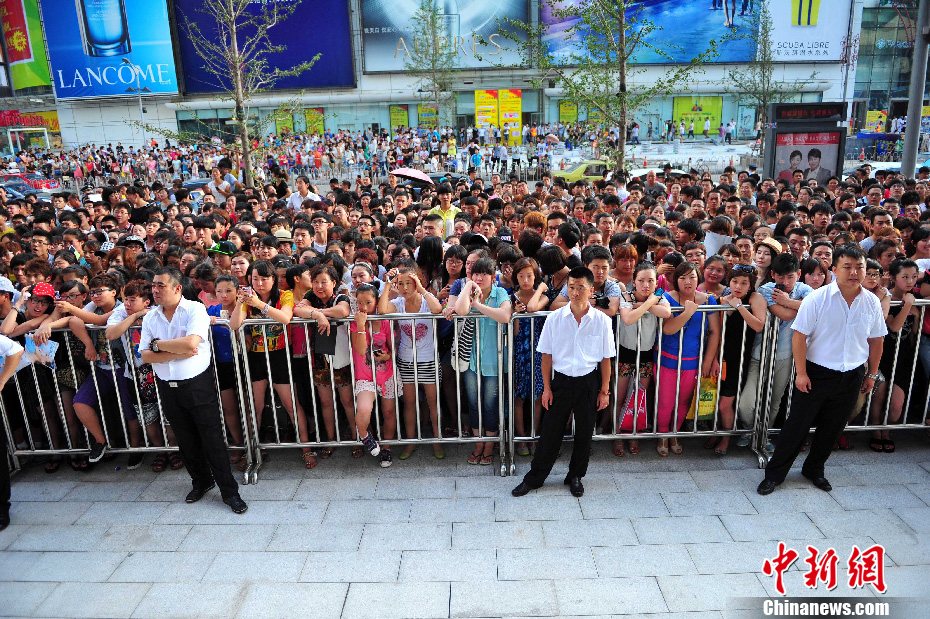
column 490, row 401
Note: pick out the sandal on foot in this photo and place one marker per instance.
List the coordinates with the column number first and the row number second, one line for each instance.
column 487, row 460
column 888, row 446
column 618, row 449
column 357, row 452
column 406, row 453
column 176, row 462
column 474, row 458
column 662, row 448
column 78, row 464
column 843, row 443
column 53, row 464
column 326, row 452
column 160, row 463
column 523, row 450
column 309, row 459
column 877, row 445
column 676, row 448
column 438, row 452
column 634, row 448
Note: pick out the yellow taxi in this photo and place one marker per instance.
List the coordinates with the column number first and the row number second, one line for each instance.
column 590, row 170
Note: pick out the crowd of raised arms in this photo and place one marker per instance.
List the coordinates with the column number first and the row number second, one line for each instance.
column 484, row 244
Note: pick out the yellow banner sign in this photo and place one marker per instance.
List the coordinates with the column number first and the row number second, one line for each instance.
column 486, row 108
column 568, row 112
column 427, row 114
column 698, row 110
column 510, row 104
column 876, row 120
column 400, row 116
column 314, row 117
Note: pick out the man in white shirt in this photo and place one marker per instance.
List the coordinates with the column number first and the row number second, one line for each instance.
column 11, row 352
column 175, row 340
column 295, row 202
column 578, row 343
column 838, row 330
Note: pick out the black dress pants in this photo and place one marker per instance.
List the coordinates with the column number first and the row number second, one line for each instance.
column 570, row 394
column 4, row 472
column 193, row 409
column 827, row 405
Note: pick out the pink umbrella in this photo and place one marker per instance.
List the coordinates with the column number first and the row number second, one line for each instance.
column 414, row 175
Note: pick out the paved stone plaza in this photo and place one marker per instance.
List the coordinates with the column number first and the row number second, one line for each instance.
column 675, row 537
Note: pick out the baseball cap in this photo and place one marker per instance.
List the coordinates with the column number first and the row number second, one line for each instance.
column 505, row 235
column 650, row 224
column 225, row 248
column 6, row 285
column 132, row 239
column 43, row 289
column 106, row 247
column 283, row 235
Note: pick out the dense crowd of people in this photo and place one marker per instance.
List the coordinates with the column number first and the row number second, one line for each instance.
column 491, row 246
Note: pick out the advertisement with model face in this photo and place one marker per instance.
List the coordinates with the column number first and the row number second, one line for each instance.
column 815, row 155
column 109, row 48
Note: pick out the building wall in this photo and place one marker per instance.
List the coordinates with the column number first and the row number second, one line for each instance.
column 112, row 121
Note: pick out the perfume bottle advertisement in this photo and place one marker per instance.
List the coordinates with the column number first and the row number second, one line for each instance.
column 109, row 48
column 474, row 26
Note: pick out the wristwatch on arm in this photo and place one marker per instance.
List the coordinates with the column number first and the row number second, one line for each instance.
column 153, row 345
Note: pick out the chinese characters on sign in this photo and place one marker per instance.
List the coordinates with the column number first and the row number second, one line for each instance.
column 863, row 567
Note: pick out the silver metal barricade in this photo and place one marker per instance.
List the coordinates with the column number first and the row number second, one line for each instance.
column 314, row 385
column 881, row 410
column 41, row 417
column 631, row 415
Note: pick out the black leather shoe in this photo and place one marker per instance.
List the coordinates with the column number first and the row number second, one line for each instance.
column 4, row 518
column 522, row 489
column 821, row 482
column 236, row 504
column 197, row 493
column 766, row 487
column 575, row 487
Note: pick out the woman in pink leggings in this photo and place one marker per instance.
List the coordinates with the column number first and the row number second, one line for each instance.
column 681, row 336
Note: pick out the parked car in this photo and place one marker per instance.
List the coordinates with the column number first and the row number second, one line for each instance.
column 33, row 179
column 590, row 170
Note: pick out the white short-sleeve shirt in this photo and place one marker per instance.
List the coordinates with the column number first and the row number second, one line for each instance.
column 190, row 318
column 577, row 348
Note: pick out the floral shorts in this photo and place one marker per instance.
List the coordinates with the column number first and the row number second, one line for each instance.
column 388, row 390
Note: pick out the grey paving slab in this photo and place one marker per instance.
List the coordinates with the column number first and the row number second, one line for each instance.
column 545, row 563
column 704, row 592
column 593, row 486
column 653, row 560
column 868, row 522
column 898, row 471
column 535, row 506
column 794, row 583
column 45, row 490
column 606, row 532
column 166, row 489
column 71, row 566
column 680, row 530
column 504, row 599
column 859, row 497
column 256, row 567
column 785, row 500
column 707, row 503
column 485, row 486
column 151, row 537
column 624, row 505
column 339, row 511
column 271, row 490
column 497, row 535
column 11, row 533
column 420, row 488
column 320, row 537
column 228, row 537
column 918, row 518
column 459, row 565
column 211, row 510
column 906, row 550
column 362, row 566
column 671, row 481
column 452, row 510
column 32, row 512
column 42, row 537
column 397, row 600
column 609, row 595
column 107, row 491
column 92, row 599
column 744, row 480
column 118, row 512
column 909, row 581
column 163, row 567
column 20, row 599
column 326, row 489
column 407, row 536
column 736, row 557
column 265, row 599
column 750, row 527
column 14, row 566
column 921, row 490
column 191, row 600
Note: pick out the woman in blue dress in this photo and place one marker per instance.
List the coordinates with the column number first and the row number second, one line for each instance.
column 528, row 296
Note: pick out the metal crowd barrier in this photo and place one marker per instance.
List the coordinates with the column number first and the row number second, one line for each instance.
column 700, row 426
column 307, row 386
column 45, row 423
column 875, row 412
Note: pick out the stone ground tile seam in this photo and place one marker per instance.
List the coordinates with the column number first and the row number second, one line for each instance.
column 898, row 521
column 919, row 498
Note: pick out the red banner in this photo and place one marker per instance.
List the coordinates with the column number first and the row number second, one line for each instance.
column 15, row 31
column 807, row 139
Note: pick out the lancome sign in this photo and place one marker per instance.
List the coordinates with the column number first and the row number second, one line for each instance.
column 109, row 48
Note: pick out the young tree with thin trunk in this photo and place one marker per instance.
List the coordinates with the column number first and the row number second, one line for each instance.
column 599, row 73
column 237, row 56
column 432, row 58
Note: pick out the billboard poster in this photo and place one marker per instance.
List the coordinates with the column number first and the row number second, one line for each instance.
column 474, row 26
column 22, row 33
column 399, row 115
column 109, row 48
column 427, row 114
column 486, row 108
column 510, row 105
column 804, row 31
column 314, row 117
column 283, row 123
column 568, row 112
column 332, row 40
column 815, row 154
column 876, row 120
column 684, row 29
column 697, row 110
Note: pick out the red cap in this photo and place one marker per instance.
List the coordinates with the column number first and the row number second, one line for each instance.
column 43, row 289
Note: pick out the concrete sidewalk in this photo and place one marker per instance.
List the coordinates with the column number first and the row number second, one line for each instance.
column 681, row 536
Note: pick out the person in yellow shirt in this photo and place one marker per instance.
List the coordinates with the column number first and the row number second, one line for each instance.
column 446, row 209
